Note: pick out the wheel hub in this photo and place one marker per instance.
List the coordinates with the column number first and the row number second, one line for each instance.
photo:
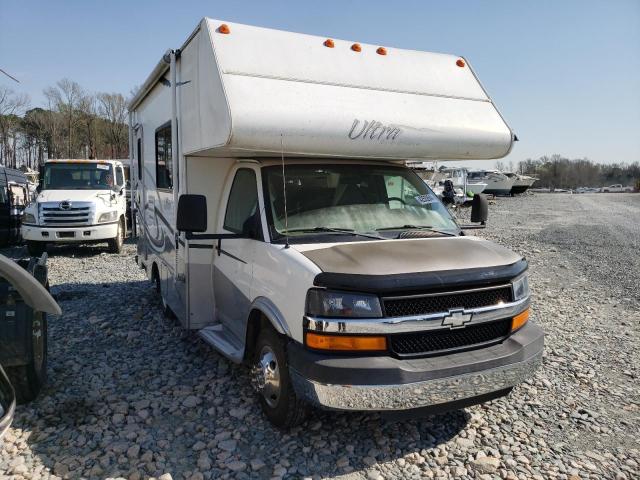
column 265, row 376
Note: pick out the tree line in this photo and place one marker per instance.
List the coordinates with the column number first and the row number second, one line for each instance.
column 75, row 123
column 556, row 171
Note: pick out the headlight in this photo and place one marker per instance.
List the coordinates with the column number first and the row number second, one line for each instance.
column 327, row 303
column 28, row 218
column 520, row 287
column 108, row 217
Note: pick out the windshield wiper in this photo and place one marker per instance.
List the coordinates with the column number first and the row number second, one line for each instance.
column 341, row 231
column 418, row 227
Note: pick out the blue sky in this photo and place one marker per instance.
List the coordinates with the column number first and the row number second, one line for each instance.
column 565, row 74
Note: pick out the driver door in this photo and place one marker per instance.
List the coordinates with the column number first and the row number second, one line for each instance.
column 233, row 258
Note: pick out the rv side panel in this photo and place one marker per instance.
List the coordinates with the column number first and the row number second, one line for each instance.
column 205, row 176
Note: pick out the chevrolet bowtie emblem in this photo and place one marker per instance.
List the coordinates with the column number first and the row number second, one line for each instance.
column 456, row 319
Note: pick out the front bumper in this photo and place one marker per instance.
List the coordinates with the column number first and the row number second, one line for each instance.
column 84, row 233
column 389, row 384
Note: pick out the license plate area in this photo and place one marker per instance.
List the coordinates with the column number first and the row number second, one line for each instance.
column 66, row 234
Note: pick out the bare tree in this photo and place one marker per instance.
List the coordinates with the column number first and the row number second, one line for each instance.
column 66, row 96
column 88, row 117
column 12, row 107
column 113, row 108
column 500, row 166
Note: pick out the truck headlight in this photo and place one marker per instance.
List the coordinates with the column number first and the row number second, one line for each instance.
column 520, row 287
column 108, row 217
column 28, row 218
column 327, row 303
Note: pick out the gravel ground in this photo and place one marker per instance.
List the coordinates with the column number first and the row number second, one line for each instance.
column 131, row 395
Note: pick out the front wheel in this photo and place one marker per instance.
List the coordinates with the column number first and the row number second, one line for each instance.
column 115, row 244
column 270, row 377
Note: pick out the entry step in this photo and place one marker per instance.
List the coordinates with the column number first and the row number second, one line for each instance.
column 222, row 340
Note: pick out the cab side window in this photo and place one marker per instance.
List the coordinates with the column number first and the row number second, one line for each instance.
column 243, row 201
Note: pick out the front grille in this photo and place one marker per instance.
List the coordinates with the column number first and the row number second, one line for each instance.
column 446, row 341
column 77, row 214
column 443, row 302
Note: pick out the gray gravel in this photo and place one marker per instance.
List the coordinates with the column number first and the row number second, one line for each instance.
column 131, row 395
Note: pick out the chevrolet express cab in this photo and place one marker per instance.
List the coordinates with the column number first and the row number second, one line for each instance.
column 79, row 201
column 276, row 217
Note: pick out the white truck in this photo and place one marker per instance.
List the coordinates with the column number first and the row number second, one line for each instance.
column 277, row 218
column 79, row 201
column 617, row 188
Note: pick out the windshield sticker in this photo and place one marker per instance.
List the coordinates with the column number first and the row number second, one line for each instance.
column 426, row 198
column 102, row 167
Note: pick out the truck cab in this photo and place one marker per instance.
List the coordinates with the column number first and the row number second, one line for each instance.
column 276, row 217
column 14, row 197
column 78, row 201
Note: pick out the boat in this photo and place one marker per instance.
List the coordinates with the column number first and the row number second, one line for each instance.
column 460, row 179
column 497, row 182
column 465, row 188
column 521, row 183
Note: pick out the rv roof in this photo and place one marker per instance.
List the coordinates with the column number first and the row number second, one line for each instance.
column 248, row 90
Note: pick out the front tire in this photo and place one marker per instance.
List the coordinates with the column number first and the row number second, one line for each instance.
column 271, row 378
column 115, row 244
column 35, row 248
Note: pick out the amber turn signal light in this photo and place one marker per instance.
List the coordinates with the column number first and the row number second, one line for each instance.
column 329, row 43
column 519, row 320
column 224, row 28
column 356, row 47
column 381, row 51
column 345, row 342
column 460, row 62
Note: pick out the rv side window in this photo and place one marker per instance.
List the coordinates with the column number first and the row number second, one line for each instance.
column 139, row 159
column 164, row 174
column 243, row 200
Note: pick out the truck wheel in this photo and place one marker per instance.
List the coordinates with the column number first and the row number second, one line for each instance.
column 115, row 244
column 36, row 248
column 28, row 380
column 270, row 377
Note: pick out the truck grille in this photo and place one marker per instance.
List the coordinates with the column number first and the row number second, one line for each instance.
column 77, row 213
column 446, row 341
column 443, row 302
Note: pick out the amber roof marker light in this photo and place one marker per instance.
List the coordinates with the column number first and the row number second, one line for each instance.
column 460, row 62
column 224, row 28
column 381, row 51
column 329, row 43
column 356, row 47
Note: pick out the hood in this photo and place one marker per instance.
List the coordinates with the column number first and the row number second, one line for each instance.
column 412, row 266
column 408, row 256
column 73, row 195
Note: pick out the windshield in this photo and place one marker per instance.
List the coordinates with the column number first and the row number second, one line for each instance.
column 358, row 198
column 78, row 176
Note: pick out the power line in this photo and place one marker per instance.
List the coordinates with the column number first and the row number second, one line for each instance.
column 11, row 77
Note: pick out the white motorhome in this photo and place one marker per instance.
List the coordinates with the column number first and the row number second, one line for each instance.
column 276, row 217
column 79, row 201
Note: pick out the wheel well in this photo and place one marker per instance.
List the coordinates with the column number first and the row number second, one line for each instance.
column 257, row 321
